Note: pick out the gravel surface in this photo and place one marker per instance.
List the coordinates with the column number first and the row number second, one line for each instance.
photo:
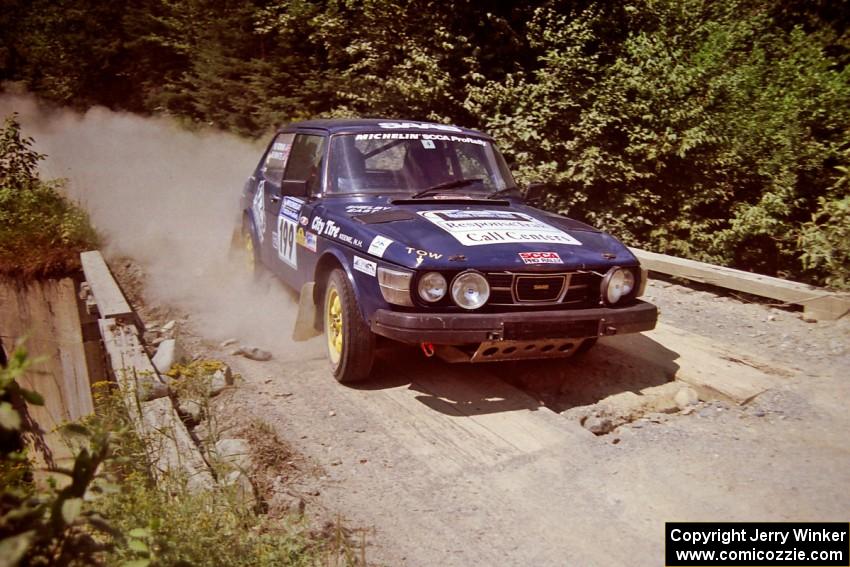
column 466, row 465
column 774, row 332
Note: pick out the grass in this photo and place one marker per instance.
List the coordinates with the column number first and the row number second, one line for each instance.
column 122, row 518
column 178, row 527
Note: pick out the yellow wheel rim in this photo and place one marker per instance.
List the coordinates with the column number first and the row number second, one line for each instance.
column 249, row 251
column 333, row 325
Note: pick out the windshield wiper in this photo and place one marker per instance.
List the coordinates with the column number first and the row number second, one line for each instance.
column 501, row 192
column 447, row 185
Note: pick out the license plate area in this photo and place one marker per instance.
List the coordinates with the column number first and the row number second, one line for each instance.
column 525, row 331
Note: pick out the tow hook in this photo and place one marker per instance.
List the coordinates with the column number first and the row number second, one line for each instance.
column 427, row 349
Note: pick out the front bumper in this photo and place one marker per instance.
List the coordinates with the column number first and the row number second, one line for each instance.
column 468, row 328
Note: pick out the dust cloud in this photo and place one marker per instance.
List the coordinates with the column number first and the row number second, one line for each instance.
column 169, row 199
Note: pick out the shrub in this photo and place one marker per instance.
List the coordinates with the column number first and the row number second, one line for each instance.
column 41, row 232
column 825, row 239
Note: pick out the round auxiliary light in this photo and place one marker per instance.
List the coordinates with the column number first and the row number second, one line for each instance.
column 470, row 290
column 617, row 283
column 432, row 287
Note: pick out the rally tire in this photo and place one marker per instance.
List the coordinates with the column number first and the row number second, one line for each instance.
column 348, row 338
column 250, row 251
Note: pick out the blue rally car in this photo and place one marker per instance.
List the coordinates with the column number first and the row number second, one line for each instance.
column 417, row 232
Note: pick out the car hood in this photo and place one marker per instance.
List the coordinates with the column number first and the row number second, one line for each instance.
column 455, row 234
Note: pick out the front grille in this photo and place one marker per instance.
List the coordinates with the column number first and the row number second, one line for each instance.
column 571, row 289
column 539, row 288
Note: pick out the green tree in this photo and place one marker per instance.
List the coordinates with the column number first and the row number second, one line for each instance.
column 41, row 232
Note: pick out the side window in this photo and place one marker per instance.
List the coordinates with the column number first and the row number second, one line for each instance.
column 277, row 157
column 305, row 163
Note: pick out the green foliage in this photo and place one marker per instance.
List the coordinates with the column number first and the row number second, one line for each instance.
column 41, row 231
column 702, row 129
column 198, row 529
column 177, row 526
column 825, row 239
column 697, row 129
column 46, row 526
column 109, row 512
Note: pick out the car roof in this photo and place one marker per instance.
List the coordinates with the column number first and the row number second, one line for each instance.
column 338, row 126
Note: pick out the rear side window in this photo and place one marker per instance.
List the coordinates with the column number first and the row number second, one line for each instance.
column 305, row 160
column 277, row 157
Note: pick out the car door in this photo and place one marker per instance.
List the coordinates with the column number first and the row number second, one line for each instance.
column 266, row 198
column 302, row 178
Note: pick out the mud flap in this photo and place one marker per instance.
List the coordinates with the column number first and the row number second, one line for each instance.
column 305, row 322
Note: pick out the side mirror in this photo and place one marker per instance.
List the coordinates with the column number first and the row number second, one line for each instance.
column 535, row 192
column 293, row 188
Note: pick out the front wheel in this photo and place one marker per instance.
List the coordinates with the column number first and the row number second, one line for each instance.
column 245, row 244
column 350, row 342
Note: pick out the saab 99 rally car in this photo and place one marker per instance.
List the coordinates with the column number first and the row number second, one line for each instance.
column 418, row 233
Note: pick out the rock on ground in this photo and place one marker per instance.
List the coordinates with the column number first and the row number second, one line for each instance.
column 686, row 396
column 221, row 380
column 167, row 354
column 254, row 353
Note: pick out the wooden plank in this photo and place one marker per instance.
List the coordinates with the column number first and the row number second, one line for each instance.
column 715, row 370
column 127, row 361
column 107, row 294
column 170, row 449
column 817, row 302
column 173, row 455
column 46, row 314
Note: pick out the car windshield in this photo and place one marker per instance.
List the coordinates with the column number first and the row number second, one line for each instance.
column 399, row 162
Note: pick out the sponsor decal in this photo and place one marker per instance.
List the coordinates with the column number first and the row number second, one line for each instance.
column 426, row 138
column 332, row 230
column 290, row 207
column 481, row 227
column 328, row 228
column 258, row 207
column 379, row 245
column 286, row 228
column 540, row 258
column 464, row 140
column 387, row 136
column 364, row 209
column 366, row 266
column 304, row 220
column 306, row 239
column 279, row 152
column 428, row 144
column 350, row 240
column 418, row 126
column 422, row 254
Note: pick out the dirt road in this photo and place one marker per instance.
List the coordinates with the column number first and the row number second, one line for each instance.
column 454, row 465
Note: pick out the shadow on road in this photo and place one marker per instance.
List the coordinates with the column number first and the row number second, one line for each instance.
column 628, row 363
column 615, row 365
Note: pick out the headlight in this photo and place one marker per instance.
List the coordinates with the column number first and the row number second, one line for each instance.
column 395, row 286
column 617, row 283
column 644, row 277
column 432, row 287
column 470, row 290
